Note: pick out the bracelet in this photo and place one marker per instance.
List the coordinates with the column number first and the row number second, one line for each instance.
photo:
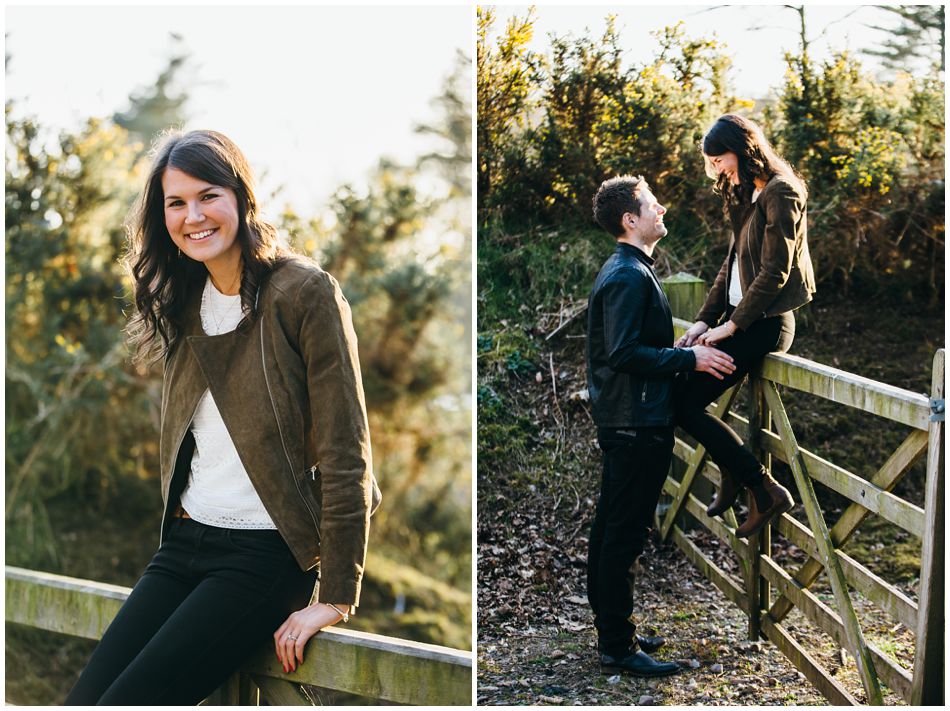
column 346, row 615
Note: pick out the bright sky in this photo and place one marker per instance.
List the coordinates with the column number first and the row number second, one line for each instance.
column 314, row 96
column 757, row 36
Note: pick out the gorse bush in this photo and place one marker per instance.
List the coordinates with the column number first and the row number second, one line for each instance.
column 873, row 156
column 552, row 125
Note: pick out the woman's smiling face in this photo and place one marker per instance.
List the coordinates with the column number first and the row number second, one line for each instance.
column 727, row 164
column 201, row 218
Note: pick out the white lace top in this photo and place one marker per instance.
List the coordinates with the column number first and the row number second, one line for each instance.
column 735, row 289
column 219, row 492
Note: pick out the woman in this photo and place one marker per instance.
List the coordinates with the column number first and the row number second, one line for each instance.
column 766, row 275
column 265, row 455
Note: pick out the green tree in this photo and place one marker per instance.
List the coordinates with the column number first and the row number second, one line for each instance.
column 507, row 73
column 78, row 415
column 921, row 34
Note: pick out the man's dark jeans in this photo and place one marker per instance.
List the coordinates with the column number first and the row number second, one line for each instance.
column 635, row 465
column 208, row 599
column 695, row 390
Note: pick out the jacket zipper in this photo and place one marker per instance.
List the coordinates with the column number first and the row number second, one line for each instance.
column 161, row 530
column 280, row 432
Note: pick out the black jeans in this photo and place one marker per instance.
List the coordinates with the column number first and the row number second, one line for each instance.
column 695, row 390
column 636, row 463
column 208, row 599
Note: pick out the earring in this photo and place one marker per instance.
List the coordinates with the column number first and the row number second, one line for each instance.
column 179, row 252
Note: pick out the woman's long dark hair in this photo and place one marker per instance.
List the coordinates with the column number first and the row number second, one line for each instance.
column 163, row 276
column 756, row 159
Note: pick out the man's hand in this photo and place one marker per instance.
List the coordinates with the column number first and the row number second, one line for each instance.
column 719, row 333
column 692, row 333
column 713, row 361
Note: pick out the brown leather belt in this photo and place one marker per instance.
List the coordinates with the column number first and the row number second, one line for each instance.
column 179, row 512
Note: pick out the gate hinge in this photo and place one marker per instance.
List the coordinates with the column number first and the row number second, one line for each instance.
column 937, row 407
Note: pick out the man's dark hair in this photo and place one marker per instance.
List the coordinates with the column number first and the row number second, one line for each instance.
column 614, row 198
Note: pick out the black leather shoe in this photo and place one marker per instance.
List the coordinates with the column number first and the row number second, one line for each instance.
column 650, row 644
column 637, row 664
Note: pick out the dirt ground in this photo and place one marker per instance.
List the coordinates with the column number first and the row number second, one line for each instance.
column 522, row 660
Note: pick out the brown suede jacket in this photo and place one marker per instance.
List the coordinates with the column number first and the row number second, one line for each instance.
column 288, row 388
column 770, row 239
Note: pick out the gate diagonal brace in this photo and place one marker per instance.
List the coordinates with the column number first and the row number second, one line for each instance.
column 826, row 549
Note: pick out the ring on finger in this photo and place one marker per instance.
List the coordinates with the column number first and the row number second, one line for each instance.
column 292, row 637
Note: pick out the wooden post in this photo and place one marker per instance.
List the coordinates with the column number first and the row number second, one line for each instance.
column 249, row 694
column 761, row 544
column 686, row 294
column 228, row 694
column 927, row 688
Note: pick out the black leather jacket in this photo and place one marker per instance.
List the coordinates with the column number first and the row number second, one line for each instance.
column 630, row 358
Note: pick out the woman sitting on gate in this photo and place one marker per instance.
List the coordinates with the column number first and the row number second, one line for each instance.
column 265, row 457
column 766, row 275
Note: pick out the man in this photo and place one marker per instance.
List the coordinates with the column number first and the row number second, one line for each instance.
column 630, row 368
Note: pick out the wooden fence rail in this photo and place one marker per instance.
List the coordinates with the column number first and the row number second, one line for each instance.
column 770, row 432
column 369, row 665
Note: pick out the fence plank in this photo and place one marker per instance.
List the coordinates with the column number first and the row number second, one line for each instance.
column 377, row 667
column 886, row 478
column 250, row 693
column 848, row 389
column 829, row 558
column 830, row 688
column 929, row 654
column 277, row 692
column 857, row 489
column 356, row 662
column 228, row 694
column 58, row 603
column 711, row 570
column 829, row 622
column 882, row 593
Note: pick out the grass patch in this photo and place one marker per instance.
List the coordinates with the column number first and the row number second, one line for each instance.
column 886, row 550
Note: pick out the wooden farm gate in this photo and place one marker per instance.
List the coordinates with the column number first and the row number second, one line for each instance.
column 369, row 665
column 769, row 431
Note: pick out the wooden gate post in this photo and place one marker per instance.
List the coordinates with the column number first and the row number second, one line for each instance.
column 761, row 544
column 686, row 294
column 927, row 688
column 228, row 694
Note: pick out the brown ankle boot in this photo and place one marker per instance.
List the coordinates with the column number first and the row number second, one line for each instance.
column 725, row 497
column 781, row 502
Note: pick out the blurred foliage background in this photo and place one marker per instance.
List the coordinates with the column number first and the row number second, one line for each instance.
column 82, row 493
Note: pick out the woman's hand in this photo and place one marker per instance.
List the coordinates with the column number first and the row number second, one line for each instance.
column 692, row 333
column 292, row 636
column 717, row 334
